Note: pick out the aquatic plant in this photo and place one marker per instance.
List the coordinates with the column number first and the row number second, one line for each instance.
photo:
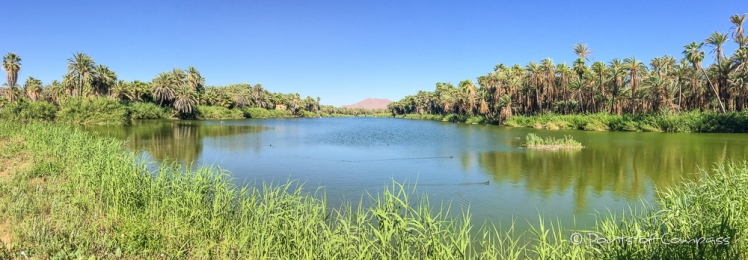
column 550, row 143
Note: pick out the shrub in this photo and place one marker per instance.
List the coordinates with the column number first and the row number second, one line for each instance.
column 93, row 111
column 305, row 113
column 257, row 112
column 141, row 110
column 217, row 112
column 24, row 110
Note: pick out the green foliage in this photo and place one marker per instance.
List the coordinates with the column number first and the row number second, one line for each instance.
column 93, row 111
column 305, row 113
column 28, row 111
column 692, row 121
column 218, row 112
column 534, row 141
column 141, row 110
column 256, row 112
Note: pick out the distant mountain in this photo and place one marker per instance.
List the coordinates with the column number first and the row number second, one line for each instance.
column 371, row 103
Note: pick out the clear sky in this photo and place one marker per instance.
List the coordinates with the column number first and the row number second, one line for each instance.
column 345, row 51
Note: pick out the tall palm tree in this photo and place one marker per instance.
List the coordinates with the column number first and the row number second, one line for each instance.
column 635, row 68
column 617, row 75
column 82, row 67
column 549, row 69
column 717, row 40
column 196, row 81
column 600, row 69
column 695, row 55
column 583, row 51
column 738, row 33
column 11, row 65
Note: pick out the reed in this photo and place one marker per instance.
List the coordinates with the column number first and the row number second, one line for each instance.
column 550, row 143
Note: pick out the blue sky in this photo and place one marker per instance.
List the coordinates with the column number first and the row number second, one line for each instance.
column 345, row 51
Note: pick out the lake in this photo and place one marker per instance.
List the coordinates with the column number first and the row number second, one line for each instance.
column 354, row 157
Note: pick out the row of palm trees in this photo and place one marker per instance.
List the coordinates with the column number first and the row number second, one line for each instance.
column 182, row 90
column 618, row 86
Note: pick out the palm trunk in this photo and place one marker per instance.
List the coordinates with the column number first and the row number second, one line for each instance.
column 721, row 106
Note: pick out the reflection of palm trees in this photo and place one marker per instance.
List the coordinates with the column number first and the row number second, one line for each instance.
column 621, row 171
column 173, row 140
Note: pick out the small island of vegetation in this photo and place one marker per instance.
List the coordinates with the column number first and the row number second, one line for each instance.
column 534, row 141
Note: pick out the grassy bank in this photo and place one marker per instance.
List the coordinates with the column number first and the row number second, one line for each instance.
column 693, row 121
column 66, row 194
column 454, row 118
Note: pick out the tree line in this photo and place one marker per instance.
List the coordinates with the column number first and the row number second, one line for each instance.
column 618, row 86
column 180, row 90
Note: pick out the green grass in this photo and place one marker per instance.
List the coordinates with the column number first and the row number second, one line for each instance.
column 550, row 143
column 692, row 121
column 72, row 195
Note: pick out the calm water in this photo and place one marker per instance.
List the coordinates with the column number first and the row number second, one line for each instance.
column 450, row 162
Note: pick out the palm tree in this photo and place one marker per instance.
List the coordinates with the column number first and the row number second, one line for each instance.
column 162, row 88
column 196, row 81
column 81, row 66
column 583, row 51
column 11, row 65
column 600, row 69
column 717, row 40
column 635, row 68
column 33, row 88
column 547, row 66
column 738, row 33
column 185, row 100
column 103, row 80
column 695, row 55
column 469, row 92
column 617, row 74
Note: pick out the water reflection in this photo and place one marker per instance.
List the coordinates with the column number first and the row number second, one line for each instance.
column 178, row 140
column 351, row 157
column 625, row 165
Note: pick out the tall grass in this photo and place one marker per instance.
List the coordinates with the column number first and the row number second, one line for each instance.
column 551, row 143
column 84, row 196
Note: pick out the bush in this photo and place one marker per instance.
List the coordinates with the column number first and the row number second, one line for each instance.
column 305, row 113
column 141, row 110
column 256, row 112
column 24, row 110
column 98, row 110
column 217, row 112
